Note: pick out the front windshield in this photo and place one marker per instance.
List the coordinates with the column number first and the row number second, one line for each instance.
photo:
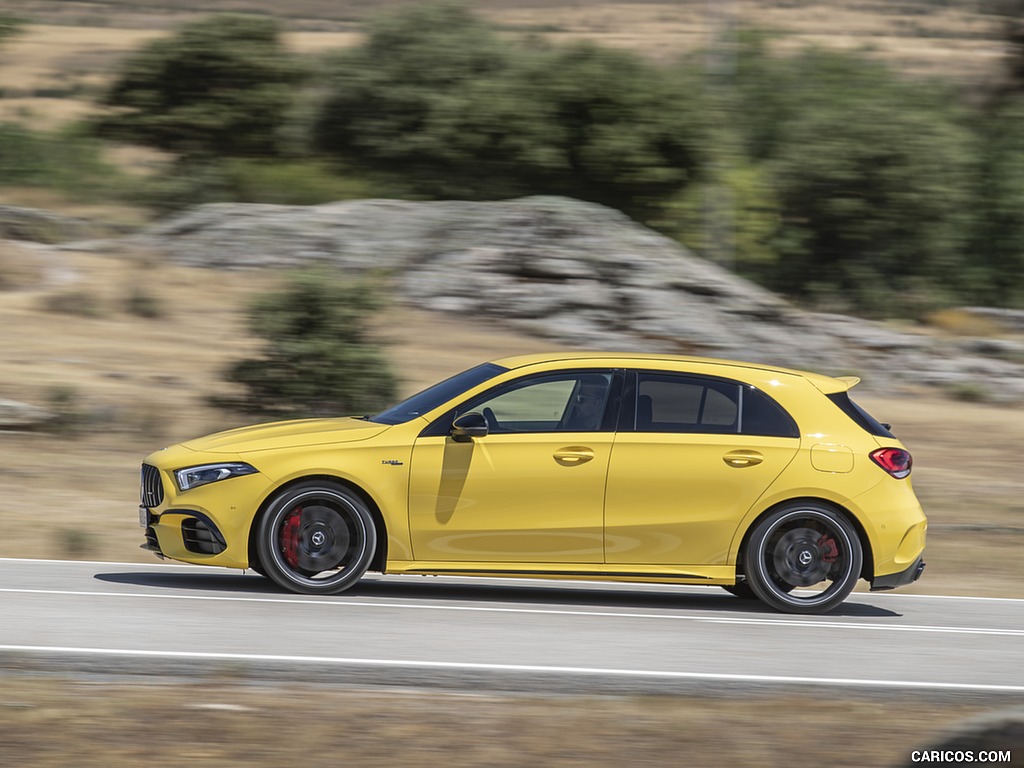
column 439, row 394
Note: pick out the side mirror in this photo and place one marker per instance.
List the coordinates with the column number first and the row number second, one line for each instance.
column 468, row 426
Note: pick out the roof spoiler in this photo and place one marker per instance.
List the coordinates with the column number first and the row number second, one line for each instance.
column 831, row 385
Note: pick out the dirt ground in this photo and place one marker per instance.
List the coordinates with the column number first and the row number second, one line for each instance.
column 48, row 722
column 129, row 385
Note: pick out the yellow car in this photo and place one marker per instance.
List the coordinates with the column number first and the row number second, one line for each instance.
column 771, row 483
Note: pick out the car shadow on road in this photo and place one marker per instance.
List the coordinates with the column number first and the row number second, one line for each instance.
column 233, row 582
column 563, row 595
column 555, row 595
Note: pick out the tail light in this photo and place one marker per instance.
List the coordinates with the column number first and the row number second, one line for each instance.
column 895, row 461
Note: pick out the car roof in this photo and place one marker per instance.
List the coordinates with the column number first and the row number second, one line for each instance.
column 827, row 384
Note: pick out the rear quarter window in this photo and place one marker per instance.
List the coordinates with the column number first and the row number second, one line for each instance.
column 763, row 416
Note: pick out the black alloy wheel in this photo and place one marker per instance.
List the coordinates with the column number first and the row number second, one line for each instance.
column 803, row 558
column 316, row 538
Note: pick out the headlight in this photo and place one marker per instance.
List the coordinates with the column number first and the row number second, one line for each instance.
column 193, row 477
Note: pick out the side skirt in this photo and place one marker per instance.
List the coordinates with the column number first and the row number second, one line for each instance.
column 716, row 574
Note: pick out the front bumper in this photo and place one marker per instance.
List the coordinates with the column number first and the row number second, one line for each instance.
column 208, row 525
column 199, row 533
column 901, row 579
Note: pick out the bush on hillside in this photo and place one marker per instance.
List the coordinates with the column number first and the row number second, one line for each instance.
column 221, row 86
column 446, row 108
column 318, row 356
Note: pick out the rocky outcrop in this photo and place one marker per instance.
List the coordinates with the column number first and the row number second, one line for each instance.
column 21, row 416
column 582, row 274
column 1008, row 319
column 42, row 226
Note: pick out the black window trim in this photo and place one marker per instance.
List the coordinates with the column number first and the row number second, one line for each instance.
column 858, row 415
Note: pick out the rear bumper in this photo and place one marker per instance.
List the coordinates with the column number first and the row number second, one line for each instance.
column 901, row 579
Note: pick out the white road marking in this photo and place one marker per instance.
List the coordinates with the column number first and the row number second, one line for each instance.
column 111, row 562
column 801, row 623
column 518, row 668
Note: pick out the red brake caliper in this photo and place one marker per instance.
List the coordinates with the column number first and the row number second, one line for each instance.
column 829, row 550
column 290, row 537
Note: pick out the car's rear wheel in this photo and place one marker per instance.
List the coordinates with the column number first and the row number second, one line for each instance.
column 316, row 538
column 803, row 558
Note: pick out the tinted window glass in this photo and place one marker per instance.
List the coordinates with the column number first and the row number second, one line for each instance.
column 859, row 415
column 562, row 402
column 763, row 416
column 437, row 395
column 667, row 403
column 673, row 403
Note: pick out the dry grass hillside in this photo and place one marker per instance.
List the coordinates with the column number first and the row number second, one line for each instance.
column 49, row 74
column 127, row 385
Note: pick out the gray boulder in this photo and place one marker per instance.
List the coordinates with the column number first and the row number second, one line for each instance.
column 38, row 226
column 581, row 274
column 22, row 416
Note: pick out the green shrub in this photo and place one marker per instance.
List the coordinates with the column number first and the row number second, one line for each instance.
column 141, row 303
column 318, row 356
column 291, row 182
column 70, row 417
column 68, row 160
column 74, row 542
column 446, row 108
column 968, row 392
column 221, row 86
column 76, row 301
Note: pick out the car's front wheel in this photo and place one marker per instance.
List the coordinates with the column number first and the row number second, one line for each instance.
column 803, row 558
column 316, row 538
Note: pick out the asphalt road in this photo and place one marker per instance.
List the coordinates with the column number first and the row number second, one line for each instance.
column 184, row 620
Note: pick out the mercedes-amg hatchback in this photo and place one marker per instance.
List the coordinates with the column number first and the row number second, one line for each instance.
column 771, row 483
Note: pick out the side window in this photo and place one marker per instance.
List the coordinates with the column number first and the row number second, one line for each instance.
column 667, row 403
column 562, row 402
column 763, row 416
column 675, row 403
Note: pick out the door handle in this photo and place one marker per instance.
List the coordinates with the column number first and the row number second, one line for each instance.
column 573, row 455
column 741, row 459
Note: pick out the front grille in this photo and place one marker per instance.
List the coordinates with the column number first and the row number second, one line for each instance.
column 152, row 487
column 201, row 538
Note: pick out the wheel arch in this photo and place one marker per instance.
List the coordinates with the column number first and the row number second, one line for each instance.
column 380, row 555
column 867, row 570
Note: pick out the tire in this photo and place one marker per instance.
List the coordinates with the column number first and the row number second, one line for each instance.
column 316, row 538
column 740, row 589
column 803, row 558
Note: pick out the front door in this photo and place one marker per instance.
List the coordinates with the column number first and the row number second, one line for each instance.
column 531, row 490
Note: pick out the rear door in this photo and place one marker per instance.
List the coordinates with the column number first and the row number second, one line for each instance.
column 692, row 456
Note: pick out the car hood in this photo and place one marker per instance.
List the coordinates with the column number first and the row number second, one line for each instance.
column 286, row 434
